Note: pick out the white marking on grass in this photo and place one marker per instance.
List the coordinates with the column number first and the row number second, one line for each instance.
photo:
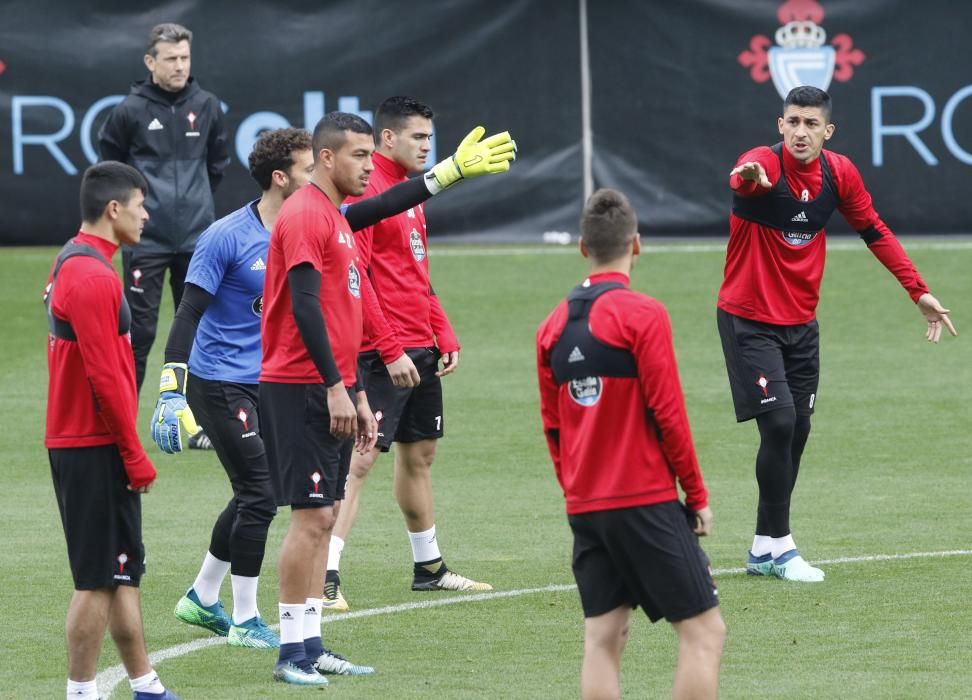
column 649, row 248
column 109, row 679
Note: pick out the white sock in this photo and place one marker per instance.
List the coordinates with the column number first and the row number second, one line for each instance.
column 424, row 546
column 209, row 579
column 149, row 683
column 244, row 598
column 762, row 544
column 312, row 618
column 82, row 690
column 782, row 545
column 291, row 623
column 334, row 553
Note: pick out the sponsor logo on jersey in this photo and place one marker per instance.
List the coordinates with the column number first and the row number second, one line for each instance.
column 155, row 125
column 799, row 237
column 801, row 55
column 354, row 281
column 575, row 355
column 418, row 248
column 585, row 391
column 258, row 265
column 801, row 217
column 257, row 306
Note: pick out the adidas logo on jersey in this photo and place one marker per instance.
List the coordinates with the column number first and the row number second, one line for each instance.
column 155, row 125
column 258, row 265
column 575, row 355
column 801, row 217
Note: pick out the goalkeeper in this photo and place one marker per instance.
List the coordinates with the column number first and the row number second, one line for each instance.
column 407, row 335
column 213, row 350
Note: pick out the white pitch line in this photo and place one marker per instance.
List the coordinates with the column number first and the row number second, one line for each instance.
column 649, row 248
column 109, row 679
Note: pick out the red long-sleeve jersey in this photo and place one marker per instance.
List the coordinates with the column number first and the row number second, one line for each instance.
column 769, row 278
column 404, row 311
column 91, row 396
column 619, row 441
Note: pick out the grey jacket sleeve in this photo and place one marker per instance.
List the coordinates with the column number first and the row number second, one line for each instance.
column 217, row 150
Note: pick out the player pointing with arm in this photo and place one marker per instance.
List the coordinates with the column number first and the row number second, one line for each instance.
column 783, row 197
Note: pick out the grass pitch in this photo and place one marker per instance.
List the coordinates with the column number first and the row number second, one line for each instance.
column 886, row 472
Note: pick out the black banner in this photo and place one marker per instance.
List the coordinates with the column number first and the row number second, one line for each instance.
column 677, row 92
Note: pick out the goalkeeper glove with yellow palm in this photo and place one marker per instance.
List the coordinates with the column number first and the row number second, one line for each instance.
column 172, row 412
column 473, row 158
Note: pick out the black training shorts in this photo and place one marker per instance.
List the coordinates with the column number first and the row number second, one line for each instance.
column 403, row 414
column 645, row 556
column 308, row 465
column 102, row 519
column 770, row 366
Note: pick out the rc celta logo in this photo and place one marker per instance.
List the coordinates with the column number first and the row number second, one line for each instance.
column 800, row 56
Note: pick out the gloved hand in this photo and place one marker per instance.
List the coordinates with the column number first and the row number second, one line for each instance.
column 473, row 158
column 172, row 413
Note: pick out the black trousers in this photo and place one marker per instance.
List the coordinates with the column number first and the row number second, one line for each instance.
column 143, row 276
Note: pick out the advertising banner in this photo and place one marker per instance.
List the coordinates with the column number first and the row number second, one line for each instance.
column 655, row 98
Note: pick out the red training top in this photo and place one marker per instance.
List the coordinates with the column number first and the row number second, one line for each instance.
column 771, row 280
column 310, row 229
column 406, row 313
column 91, row 397
column 611, row 454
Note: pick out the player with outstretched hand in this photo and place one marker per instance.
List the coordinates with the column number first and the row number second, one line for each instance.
column 214, row 350
column 407, row 333
column 783, row 197
column 98, row 466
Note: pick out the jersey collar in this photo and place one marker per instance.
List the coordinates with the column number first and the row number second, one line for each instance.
column 389, row 167
column 602, row 277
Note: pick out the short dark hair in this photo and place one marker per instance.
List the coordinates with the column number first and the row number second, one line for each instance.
column 168, row 32
column 607, row 225
column 809, row 96
column 329, row 132
column 395, row 111
column 274, row 150
column 106, row 182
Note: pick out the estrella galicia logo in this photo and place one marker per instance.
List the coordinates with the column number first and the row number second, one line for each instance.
column 800, row 56
column 418, row 248
column 354, row 281
column 257, row 306
column 799, row 237
column 586, row 390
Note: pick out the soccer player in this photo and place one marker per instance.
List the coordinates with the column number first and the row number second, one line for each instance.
column 173, row 132
column 311, row 331
column 616, row 427
column 98, row 466
column 399, row 363
column 215, row 342
column 783, row 197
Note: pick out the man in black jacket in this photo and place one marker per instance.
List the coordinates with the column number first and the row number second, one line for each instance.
column 172, row 131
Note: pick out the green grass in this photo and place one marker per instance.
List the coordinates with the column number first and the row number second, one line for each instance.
column 886, row 471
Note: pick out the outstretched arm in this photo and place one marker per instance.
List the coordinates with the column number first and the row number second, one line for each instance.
column 857, row 208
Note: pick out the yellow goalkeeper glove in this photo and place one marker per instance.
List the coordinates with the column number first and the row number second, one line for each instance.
column 473, row 158
column 172, row 412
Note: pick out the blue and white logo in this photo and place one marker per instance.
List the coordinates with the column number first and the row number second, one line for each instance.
column 585, row 391
column 354, row 281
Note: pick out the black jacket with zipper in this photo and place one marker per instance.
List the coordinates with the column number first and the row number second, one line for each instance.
column 178, row 141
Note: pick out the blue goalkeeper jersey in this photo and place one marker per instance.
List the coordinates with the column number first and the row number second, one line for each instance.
column 230, row 262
